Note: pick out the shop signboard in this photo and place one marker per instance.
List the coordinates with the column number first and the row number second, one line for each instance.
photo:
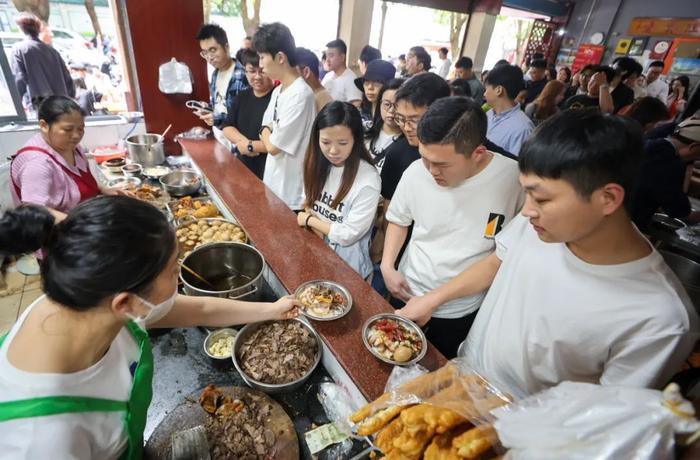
column 587, row 54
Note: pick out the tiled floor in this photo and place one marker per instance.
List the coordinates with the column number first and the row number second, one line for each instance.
column 19, row 293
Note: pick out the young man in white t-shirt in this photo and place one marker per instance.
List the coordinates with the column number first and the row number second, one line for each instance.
column 340, row 81
column 458, row 198
column 577, row 293
column 289, row 116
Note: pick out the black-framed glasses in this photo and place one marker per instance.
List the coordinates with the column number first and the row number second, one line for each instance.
column 404, row 122
column 253, row 73
column 388, row 105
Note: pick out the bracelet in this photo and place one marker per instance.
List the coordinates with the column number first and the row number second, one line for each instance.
column 306, row 223
column 263, row 128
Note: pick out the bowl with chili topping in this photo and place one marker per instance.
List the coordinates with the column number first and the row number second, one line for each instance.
column 394, row 339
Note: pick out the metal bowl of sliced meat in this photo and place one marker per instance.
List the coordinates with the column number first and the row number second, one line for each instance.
column 277, row 356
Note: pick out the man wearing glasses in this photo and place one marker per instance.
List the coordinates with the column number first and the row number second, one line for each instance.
column 226, row 82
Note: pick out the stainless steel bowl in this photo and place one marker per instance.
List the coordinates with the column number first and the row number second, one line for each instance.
column 181, row 182
column 132, row 169
column 124, row 182
column 213, row 336
column 405, row 322
column 270, row 388
column 331, row 285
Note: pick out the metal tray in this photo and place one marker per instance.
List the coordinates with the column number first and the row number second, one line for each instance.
column 332, row 285
column 406, row 323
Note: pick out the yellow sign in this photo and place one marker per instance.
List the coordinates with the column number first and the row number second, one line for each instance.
column 623, row 46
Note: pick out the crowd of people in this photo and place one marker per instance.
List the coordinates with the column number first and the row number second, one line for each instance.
column 502, row 213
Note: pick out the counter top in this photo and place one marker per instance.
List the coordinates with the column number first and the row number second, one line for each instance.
column 296, row 255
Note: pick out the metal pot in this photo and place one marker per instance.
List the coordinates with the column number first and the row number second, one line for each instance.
column 688, row 272
column 146, row 149
column 272, row 388
column 234, row 268
column 182, row 182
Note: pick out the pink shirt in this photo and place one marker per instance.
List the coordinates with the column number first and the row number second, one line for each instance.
column 42, row 181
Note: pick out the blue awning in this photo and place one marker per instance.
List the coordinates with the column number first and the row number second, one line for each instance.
column 546, row 7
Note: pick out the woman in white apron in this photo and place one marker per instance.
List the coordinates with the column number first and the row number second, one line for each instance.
column 76, row 368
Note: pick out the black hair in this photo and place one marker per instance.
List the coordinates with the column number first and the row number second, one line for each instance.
column 590, row 67
column 538, row 63
column 307, row 58
column 626, row 66
column 460, row 87
column 443, row 50
column 657, row 64
column 464, row 63
column 369, row 54
column 79, row 82
column 423, row 89
column 607, row 70
column 275, row 38
column 317, row 166
column 501, row 63
column 510, row 77
column 106, row 245
column 456, row 120
column 684, row 81
column 551, row 73
column 402, row 57
column 214, row 31
column 29, row 24
column 647, row 110
column 587, row 149
column 422, row 56
column 567, row 71
column 338, row 44
column 377, row 122
column 53, row 107
column 249, row 56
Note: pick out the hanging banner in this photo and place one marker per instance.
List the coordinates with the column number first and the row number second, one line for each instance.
column 587, row 54
column 678, row 27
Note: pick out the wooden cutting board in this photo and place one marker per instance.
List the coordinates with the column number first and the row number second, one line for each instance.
column 189, row 414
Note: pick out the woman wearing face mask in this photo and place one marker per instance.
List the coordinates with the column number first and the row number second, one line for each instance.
column 341, row 185
column 76, row 368
column 51, row 169
column 371, row 83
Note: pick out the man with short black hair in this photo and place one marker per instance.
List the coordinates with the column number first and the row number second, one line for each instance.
column 39, row 69
column 656, row 87
column 444, row 68
column 367, row 55
column 411, row 101
column 308, row 66
column 597, row 87
column 401, row 67
column 464, row 70
column 437, row 196
column 226, row 82
column 340, row 81
column 417, row 61
column 509, row 127
column 289, row 116
column 626, row 70
column 537, row 81
column 575, row 292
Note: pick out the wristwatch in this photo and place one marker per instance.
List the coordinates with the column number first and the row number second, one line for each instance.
column 250, row 146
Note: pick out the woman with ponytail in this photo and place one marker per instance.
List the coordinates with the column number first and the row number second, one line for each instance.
column 76, row 368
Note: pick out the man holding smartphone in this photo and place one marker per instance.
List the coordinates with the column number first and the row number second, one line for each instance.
column 227, row 80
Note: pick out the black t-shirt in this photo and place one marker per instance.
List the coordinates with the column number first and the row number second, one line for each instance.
column 399, row 156
column 622, row 96
column 581, row 101
column 534, row 88
column 246, row 117
column 660, row 184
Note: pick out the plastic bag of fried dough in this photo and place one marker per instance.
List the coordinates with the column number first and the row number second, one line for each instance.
column 442, row 415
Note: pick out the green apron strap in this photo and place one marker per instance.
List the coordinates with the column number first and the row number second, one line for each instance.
column 141, row 393
column 53, row 405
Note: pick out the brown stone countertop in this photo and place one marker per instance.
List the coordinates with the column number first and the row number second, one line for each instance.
column 296, row 255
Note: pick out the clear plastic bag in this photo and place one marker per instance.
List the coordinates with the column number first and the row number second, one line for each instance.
column 586, row 421
column 174, row 78
column 194, row 133
column 400, row 375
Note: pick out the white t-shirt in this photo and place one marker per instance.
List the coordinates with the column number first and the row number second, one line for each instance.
column 295, row 109
column 223, row 78
column 342, row 87
column 383, row 141
column 658, row 89
column 454, row 227
column 550, row 317
column 351, row 221
column 444, row 68
column 68, row 436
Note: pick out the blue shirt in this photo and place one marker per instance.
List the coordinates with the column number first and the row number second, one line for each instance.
column 509, row 129
column 238, row 83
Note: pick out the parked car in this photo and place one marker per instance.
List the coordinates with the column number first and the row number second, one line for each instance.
column 69, row 39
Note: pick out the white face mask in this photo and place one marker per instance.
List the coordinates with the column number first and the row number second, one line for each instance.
column 156, row 311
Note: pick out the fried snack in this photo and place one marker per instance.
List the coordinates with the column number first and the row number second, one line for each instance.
column 474, row 442
column 412, row 445
column 209, row 398
column 379, row 420
column 207, row 210
column 385, row 438
column 441, row 447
